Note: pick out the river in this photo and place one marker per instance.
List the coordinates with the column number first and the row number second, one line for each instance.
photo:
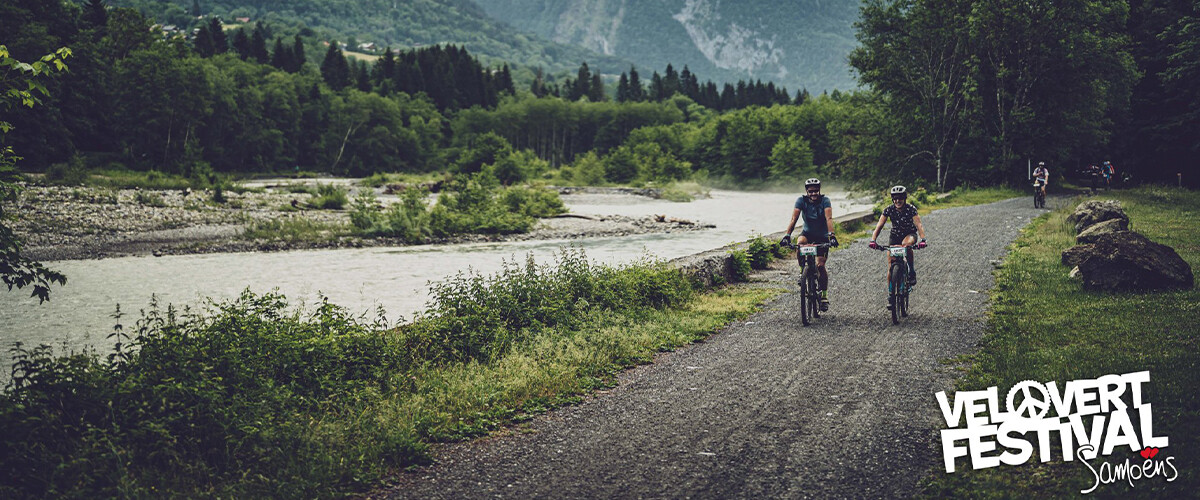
column 395, row 278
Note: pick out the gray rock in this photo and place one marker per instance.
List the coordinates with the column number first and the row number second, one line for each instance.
column 1125, row 260
column 1092, row 212
column 1091, row 233
column 1073, row 256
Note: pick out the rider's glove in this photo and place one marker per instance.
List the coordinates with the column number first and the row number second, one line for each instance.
column 873, row 245
column 922, row 243
column 786, row 241
column 833, row 242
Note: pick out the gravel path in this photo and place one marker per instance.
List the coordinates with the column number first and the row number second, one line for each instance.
column 842, row 409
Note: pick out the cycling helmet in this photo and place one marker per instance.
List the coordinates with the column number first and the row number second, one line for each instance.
column 1041, row 163
column 899, row 191
column 812, row 182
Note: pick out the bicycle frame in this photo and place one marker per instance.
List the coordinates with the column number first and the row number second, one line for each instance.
column 898, row 288
column 806, row 258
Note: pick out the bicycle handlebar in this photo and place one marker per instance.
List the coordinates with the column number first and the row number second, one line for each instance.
column 884, row 248
column 794, row 246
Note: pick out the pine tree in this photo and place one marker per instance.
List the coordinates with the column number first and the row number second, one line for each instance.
column 670, row 82
column 362, row 76
column 385, row 67
column 505, row 83
column 258, row 44
column 334, row 69
column 596, row 89
column 280, row 58
column 538, row 86
column 657, row 89
column 298, row 58
column 636, row 92
column 241, row 43
column 203, row 42
column 582, row 85
column 220, row 42
column 623, row 88
column 195, row 8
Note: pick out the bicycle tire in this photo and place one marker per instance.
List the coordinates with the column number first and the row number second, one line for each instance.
column 804, row 298
column 814, row 302
column 904, row 303
column 898, row 276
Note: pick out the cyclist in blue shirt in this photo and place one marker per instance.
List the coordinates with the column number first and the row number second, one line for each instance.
column 818, row 228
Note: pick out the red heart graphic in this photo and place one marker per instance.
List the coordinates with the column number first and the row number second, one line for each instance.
column 1153, row 452
column 1149, row 453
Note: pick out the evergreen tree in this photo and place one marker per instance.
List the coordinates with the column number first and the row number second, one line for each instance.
column 670, row 82
column 258, row 44
column 195, row 8
column 636, row 92
column 241, row 43
column 657, row 89
column 582, row 86
column 280, row 58
column 538, row 86
column 203, row 42
column 334, row 69
column 298, row 58
column 362, row 76
column 623, row 88
column 216, row 30
column 596, row 89
column 505, row 83
column 385, row 67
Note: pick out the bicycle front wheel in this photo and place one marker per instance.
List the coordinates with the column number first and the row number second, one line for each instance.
column 804, row 298
column 897, row 285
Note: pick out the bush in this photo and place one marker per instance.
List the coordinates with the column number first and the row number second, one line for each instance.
column 532, row 201
column 739, row 262
column 329, row 197
column 71, row 173
column 761, row 252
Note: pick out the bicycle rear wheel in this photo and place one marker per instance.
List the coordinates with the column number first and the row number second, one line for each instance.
column 897, row 284
column 804, row 298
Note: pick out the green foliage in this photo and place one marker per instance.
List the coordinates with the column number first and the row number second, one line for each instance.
column 532, row 201
column 294, row 230
column 471, row 205
column 408, row 219
column 739, row 264
column 760, row 252
column 329, row 197
column 70, row 173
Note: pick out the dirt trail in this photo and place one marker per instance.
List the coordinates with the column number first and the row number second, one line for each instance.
column 767, row 407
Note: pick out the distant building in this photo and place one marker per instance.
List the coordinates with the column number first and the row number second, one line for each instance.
column 242, row 19
column 367, row 46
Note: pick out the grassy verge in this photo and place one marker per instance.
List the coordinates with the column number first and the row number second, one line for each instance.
column 252, row 399
column 1043, row 326
column 296, row 230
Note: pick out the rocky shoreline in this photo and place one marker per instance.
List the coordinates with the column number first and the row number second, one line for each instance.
column 75, row 223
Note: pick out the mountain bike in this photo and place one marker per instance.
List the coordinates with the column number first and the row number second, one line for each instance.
column 898, row 287
column 810, row 299
column 1039, row 198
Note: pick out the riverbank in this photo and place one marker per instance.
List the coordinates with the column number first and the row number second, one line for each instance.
column 1045, row 327
column 73, row 223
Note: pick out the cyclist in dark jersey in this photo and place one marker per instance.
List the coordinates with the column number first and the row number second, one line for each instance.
column 906, row 224
column 818, row 228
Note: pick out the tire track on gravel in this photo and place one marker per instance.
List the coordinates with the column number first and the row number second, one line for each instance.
column 844, row 408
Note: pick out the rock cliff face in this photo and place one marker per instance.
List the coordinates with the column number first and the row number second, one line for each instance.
column 796, row 43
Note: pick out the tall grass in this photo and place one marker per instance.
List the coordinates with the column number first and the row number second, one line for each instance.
column 251, row 398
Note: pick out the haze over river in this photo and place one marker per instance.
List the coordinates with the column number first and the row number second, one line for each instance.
column 360, row 279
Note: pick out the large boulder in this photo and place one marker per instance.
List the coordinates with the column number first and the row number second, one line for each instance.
column 1125, row 260
column 1092, row 212
column 1091, row 233
column 1073, row 256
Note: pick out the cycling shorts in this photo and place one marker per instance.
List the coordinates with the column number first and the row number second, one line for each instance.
column 816, row 240
column 898, row 239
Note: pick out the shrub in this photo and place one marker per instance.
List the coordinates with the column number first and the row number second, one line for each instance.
column 329, row 197
column 71, row 173
column 532, row 201
column 760, row 252
column 739, row 262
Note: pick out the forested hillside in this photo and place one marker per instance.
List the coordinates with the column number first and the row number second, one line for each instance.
column 795, row 43
column 395, row 23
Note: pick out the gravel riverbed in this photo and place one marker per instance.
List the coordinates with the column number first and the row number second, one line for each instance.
column 65, row 223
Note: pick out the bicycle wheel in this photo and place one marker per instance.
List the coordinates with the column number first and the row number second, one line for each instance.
column 804, row 298
column 898, row 275
column 814, row 297
column 903, row 299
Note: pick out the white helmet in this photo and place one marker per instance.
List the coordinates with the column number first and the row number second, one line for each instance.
column 899, row 190
column 812, row 181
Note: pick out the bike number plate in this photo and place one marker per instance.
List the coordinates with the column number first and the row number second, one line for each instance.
column 898, row 251
column 808, row 250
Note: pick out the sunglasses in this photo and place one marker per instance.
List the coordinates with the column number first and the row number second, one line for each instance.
column 814, row 191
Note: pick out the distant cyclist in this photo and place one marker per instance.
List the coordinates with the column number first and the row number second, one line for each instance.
column 818, row 228
column 1042, row 174
column 906, row 224
column 1108, row 171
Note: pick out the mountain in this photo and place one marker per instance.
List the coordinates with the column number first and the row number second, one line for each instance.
column 796, row 43
column 396, row 23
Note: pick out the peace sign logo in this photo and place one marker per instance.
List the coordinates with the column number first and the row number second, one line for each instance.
column 1031, row 406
